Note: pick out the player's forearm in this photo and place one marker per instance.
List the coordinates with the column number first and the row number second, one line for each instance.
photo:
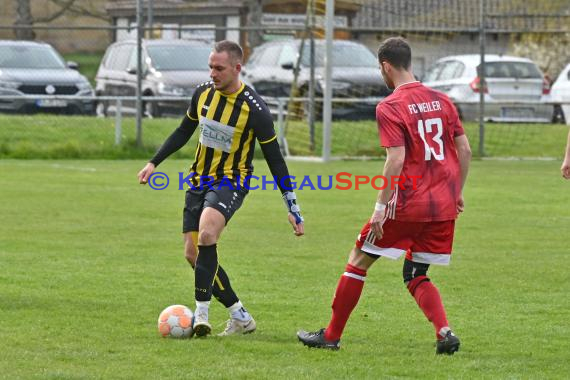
column 280, row 172
column 464, row 156
column 176, row 140
column 392, row 170
column 277, row 165
column 464, row 167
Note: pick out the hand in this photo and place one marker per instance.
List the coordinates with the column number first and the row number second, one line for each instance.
column 460, row 204
column 376, row 222
column 565, row 169
column 145, row 173
column 299, row 229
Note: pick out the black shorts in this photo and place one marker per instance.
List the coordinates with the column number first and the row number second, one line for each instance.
column 223, row 199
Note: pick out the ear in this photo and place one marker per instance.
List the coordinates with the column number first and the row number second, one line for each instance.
column 238, row 67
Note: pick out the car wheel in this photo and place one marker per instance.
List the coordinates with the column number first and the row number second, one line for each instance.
column 101, row 109
column 558, row 115
column 151, row 109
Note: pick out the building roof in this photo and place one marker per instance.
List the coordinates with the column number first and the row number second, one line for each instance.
column 396, row 15
column 426, row 15
column 126, row 8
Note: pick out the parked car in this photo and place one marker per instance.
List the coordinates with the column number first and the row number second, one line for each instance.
column 36, row 68
column 356, row 73
column 509, row 79
column 560, row 92
column 170, row 68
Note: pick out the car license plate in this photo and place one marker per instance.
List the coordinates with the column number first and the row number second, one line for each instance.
column 51, row 103
column 519, row 113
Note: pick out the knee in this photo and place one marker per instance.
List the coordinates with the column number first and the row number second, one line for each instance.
column 414, row 274
column 207, row 237
column 361, row 259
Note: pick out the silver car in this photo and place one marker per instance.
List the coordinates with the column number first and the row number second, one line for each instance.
column 34, row 68
column 516, row 89
column 171, row 68
column 355, row 74
column 561, row 95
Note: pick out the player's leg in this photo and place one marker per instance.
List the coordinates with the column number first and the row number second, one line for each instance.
column 193, row 206
column 433, row 246
column 212, row 223
column 362, row 256
column 228, row 200
column 191, row 221
column 240, row 322
column 347, row 294
column 348, row 291
column 222, row 289
column 219, row 206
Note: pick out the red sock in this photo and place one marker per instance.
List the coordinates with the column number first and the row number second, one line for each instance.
column 428, row 299
column 345, row 299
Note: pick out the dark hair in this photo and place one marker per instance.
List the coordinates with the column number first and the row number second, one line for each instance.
column 232, row 48
column 396, row 51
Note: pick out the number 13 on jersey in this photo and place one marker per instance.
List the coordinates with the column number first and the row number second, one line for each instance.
column 426, row 127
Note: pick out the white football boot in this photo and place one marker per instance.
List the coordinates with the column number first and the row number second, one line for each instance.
column 201, row 325
column 235, row 326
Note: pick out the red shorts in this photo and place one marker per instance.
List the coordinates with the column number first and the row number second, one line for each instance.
column 422, row 242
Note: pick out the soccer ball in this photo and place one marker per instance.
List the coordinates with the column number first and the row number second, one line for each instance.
column 175, row 322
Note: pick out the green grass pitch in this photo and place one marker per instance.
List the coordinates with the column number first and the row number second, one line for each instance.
column 89, row 258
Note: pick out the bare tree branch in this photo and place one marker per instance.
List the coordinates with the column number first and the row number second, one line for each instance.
column 57, row 14
column 83, row 11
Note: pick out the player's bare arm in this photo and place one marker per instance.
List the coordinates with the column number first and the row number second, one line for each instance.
column 392, row 168
column 145, row 173
column 464, row 155
column 565, row 169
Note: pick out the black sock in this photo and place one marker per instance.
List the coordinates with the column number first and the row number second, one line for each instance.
column 206, row 266
column 223, row 290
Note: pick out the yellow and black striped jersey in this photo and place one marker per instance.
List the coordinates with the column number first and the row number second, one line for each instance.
column 228, row 124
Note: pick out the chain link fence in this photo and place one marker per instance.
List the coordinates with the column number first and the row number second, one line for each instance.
column 91, row 70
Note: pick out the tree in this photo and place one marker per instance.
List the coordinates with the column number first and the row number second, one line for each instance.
column 254, row 16
column 24, row 17
column 548, row 50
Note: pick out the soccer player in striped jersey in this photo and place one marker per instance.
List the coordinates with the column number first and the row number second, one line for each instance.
column 424, row 141
column 231, row 117
column 565, row 168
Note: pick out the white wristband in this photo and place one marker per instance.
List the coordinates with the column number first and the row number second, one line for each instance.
column 379, row 207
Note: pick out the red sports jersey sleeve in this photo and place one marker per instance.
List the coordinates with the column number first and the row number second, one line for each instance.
column 390, row 126
column 426, row 122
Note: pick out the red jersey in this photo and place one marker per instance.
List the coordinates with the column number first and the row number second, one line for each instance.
column 426, row 122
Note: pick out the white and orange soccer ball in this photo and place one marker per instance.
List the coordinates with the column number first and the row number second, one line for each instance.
column 175, row 322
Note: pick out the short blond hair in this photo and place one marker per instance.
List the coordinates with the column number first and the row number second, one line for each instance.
column 232, row 48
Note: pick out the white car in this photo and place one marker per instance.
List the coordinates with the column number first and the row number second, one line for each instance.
column 510, row 80
column 560, row 93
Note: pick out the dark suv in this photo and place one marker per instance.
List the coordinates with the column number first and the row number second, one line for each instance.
column 356, row 73
column 34, row 68
column 170, row 68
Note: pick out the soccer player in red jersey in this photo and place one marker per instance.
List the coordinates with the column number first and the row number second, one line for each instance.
column 425, row 143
